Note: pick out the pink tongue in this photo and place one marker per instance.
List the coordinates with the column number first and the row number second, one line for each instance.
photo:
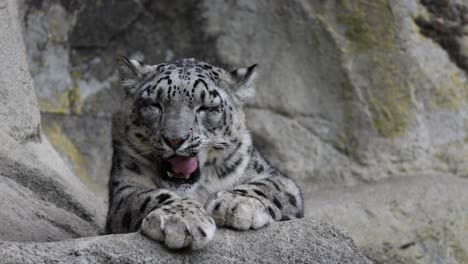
column 183, row 165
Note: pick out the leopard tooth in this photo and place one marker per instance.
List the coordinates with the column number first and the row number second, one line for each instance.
column 170, row 174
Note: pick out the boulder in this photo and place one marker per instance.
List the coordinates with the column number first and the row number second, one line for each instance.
column 422, row 218
column 42, row 200
column 349, row 91
column 302, row 241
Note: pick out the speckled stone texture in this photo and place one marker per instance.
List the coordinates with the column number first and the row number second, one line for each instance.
column 40, row 198
column 303, row 241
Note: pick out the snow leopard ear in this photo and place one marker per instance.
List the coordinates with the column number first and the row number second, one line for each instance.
column 244, row 82
column 130, row 72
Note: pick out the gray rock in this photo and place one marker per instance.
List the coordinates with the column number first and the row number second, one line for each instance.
column 364, row 94
column 41, row 198
column 408, row 219
column 19, row 114
column 302, row 241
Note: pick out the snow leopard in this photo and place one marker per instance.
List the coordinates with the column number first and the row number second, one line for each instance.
column 183, row 158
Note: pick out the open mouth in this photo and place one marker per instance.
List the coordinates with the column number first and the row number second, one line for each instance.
column 180, row 169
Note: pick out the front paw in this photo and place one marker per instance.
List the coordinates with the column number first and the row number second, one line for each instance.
column 237, row 211
column 180, row 224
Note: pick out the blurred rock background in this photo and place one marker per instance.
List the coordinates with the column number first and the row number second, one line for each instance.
column 364, row 102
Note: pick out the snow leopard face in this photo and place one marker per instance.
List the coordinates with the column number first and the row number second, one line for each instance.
column 184, row 114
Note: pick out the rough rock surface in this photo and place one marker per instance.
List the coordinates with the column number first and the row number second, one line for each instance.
column 417, row 219
column 303, row 241
column 41, row 199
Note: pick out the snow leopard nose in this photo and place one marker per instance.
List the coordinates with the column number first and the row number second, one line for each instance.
column 174, row 143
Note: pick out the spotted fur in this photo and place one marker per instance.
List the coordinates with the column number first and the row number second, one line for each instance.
column 189, row 108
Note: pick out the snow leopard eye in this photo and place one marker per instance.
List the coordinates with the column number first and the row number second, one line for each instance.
column 150, row 110
column 154, row 105
column 208, row 109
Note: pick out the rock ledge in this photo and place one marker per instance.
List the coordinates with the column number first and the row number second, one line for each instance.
column 304, row 241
